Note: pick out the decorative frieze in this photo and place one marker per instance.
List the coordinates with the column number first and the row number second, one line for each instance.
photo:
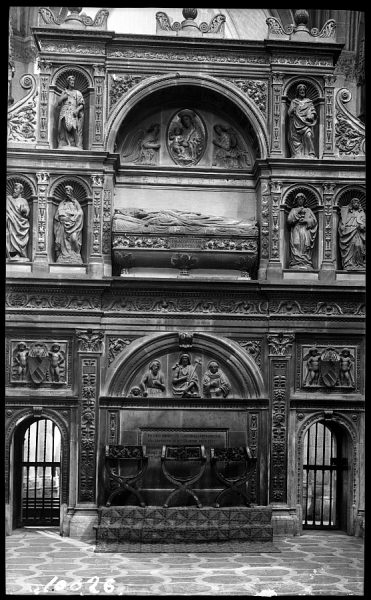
column 301, row 61
column 198, row 56
column 68, row 48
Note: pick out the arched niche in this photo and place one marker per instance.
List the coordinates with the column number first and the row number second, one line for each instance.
column 240, row 370
column 84, row 84
column 82, row 194
column 343, row 199
column 313, row 201
column 169, row 92
column 315, row 93
column 29, row 194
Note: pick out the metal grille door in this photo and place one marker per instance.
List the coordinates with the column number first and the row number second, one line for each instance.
column 41, row 474
column 320, row 478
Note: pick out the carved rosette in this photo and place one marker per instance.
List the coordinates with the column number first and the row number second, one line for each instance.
column 45, row 67
column 276, row 191
column 97, row 186
column 276, row 137
column 42, row 194
column 99, row 76
column 329, row 115
column 328, row 195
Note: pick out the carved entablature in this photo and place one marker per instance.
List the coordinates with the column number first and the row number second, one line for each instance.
column 328, row 367
column 153, row 236
column 299, row 31
column 41, row 363
column 165, row 26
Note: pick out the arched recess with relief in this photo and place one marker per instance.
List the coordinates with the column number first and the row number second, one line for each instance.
column 238, row 372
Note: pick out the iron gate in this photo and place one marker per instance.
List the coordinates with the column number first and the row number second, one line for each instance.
column 41, row 474
column 321, row 477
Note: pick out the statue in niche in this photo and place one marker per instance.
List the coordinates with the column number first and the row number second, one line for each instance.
column 68, row 224
column 21, row 361
column 352, row 236
column 186, row 138
column 313, row 359
column 56, row 362
column 143, row 146
column 302, row 119
column 185, row 381
column 346, row 365
column 71, row 116
column 17, row 224
column 153, row 382
column 303, row 225
column 215, row 384
column 229, row 152
column 144, row 221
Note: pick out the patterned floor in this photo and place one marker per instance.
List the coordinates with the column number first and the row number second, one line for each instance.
column 316, row 563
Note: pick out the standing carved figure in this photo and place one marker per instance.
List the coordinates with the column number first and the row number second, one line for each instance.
column 346, row 365
column 17, row 224
column 302, row 119
column 20, row 360
column 215, row 384
column 303, row 225
column 143, row 146
column 153, row 381
column 68, row 224
column 71, row 116
column 56, row 362
column 185, row 380
column 313, row 359
column 352, row 236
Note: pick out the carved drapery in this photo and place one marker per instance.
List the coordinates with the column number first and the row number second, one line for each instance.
column 99, row 76
column 42, row 215
column 97, row 187
column 45, row 67
column 279, row 356
column 276, row 137
column 328, row 149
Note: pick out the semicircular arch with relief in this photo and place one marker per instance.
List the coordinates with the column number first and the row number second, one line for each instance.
column 239, row 367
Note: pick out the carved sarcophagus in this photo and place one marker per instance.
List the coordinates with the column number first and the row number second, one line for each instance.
column 183, row 240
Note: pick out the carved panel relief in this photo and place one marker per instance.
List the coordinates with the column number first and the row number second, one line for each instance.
column 330, row 367
column 186, row 138
column 38, row 362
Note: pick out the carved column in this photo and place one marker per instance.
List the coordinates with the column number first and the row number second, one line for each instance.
column 45, row 67
column 328, row 265
column 96, row 261
column 89, row 352
column 280, row 345
column 99, row 77
column 41, row 259
column 328, row 148
column 276, row 116
column 274, row 270
column 264, row 230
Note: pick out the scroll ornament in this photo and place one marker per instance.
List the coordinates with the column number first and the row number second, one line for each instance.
column 349, row 131
column 22, row 114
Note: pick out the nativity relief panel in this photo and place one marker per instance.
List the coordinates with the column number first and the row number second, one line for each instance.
column 329, row 367
column 184, row 374
column 38, row 362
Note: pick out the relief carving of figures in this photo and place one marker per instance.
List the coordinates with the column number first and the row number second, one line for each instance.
column 68, row 224
column 144, row 221
column 38, row 362
column 229, row 151
column 352, row 236
column 302, row 119
column 71, row 116
column 303, row 230
column 143, row 146
column 329, row 367
column 185, row 381
column 20, row 361
column 57, row 360
column 215, row 384
column 153, row 382
column 186, row 138
column 17, row 224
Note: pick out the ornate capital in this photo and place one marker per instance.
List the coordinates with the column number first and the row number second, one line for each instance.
column 328, row 187
column 42, row 177
column 45, row 66
column 280, row 343
column 99, row 70
column 329, row 80
column 97, row 180
column 277, row 78
column 276, row 187
column 89, row 340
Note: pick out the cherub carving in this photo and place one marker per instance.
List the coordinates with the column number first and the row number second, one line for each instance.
column 57, row 359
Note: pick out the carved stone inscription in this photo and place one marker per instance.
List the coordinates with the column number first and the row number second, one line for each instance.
column 154, row 439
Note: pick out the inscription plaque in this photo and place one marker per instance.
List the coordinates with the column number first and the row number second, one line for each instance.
column 154, row 439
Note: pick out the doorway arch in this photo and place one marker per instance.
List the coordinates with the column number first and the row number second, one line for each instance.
column 327, row 473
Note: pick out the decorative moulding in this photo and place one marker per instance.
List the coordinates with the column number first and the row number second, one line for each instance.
column 299, row 31
column 74, row 19
column 189, row 27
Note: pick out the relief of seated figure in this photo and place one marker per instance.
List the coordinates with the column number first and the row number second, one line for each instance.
column 144, row 221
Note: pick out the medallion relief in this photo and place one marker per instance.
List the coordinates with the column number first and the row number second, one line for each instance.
column 186, row 138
